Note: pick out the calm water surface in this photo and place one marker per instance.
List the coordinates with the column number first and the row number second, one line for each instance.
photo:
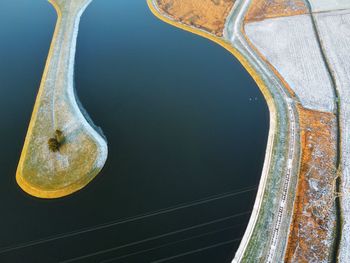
column 185, row 123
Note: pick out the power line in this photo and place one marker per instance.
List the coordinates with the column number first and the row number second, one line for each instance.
column 127, row 220
column 154, row 237
column 197, row 250
column 170, row 243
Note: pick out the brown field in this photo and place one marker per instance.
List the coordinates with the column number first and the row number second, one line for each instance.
column 208, row 15
column 310, row 238
column 262, row 9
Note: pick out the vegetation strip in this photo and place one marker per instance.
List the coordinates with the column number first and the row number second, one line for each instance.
column 339, row 135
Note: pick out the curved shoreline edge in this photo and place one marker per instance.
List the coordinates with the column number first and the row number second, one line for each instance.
column 267, row 232
column 100, row 151
column 261, row 239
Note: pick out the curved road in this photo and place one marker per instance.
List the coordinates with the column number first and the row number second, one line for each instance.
column 235, row 36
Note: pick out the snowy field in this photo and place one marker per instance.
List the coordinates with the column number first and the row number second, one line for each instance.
column 290, row 45
column 327, row 5
column 334, row 29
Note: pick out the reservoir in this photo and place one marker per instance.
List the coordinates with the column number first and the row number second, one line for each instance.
column 186, row 127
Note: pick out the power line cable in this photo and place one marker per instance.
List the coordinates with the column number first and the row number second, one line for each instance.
column 154, row 237
column 197, row 250
column 169, row 244
column 127, row 220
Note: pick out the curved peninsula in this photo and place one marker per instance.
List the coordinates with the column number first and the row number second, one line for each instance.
column 62, row 151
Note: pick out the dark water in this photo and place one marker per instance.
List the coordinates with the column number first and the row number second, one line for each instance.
column 184, row 121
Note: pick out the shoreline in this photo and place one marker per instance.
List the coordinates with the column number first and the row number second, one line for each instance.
column 283, row 126
column 254, row 243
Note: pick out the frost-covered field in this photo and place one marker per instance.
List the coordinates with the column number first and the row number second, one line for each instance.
column 334, row 30
column 327, row 5
column 290, row 45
